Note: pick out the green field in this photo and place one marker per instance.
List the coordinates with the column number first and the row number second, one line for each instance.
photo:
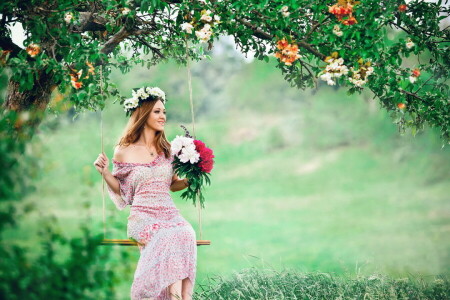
column 309, row 181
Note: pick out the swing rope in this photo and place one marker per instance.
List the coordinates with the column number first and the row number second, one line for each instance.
column 101, row 138
column 129, row 242
column 193, row 131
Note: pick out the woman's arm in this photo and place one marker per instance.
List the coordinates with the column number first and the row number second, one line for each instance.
column 102, row 165
column 178, row 184
column 111, row 181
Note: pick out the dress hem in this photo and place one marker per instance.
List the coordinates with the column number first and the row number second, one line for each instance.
column 164, row 294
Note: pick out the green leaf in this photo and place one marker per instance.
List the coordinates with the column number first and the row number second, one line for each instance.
column 144, row 5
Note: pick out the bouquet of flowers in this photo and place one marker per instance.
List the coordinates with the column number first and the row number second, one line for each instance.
column 194, row 161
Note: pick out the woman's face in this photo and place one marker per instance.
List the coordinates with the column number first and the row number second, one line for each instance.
column 157, row 117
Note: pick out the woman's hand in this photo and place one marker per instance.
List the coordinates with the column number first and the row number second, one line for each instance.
column 102, row 163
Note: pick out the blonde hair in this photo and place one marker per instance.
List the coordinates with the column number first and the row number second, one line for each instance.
column 135, row 127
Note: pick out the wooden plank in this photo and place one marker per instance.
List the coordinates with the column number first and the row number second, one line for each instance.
column 126, row 242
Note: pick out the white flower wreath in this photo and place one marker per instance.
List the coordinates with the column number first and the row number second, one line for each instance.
column 141, row 95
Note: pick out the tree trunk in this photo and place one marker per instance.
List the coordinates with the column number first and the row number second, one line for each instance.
column 30, row 103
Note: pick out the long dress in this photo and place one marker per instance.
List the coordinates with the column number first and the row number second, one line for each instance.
column 166, row 241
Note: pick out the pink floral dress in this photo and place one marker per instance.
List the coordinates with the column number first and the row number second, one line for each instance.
column 167, row 242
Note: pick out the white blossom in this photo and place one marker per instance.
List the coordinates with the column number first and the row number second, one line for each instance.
column 205, row 33
column 412, row 79
column 206, row 18
column 409, row 44
column 343, row 70
column 68, row 17
column 142, row 94
column 357, row 82
column 337, row 30
column 187, row 27
column 325, row 76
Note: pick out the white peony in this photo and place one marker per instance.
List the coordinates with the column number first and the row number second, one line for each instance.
column 176, row 145
column 182, row 142
column 189, row 154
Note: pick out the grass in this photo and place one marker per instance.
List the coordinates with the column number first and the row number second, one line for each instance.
column 268, row 284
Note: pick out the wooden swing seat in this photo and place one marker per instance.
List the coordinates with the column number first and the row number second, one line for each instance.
column 126, row 242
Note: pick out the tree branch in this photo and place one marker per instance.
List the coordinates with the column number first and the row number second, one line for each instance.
column 6, row 43
column 411, row 94
column 266, row 36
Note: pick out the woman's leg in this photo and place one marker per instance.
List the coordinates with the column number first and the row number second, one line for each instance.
column 186, row 289
column 175, row 290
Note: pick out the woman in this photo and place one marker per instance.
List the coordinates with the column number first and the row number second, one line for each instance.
column 142, row 177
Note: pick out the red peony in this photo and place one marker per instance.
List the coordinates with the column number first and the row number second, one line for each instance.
column 199, row 145
column 206, row 166
column 206, row 154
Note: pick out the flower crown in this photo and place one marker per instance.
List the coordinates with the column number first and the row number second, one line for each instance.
column 140, row 95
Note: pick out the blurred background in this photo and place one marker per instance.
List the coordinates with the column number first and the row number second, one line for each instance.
column 307, row 180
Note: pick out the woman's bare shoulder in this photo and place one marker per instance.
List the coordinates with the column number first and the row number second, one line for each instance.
column 120, row 152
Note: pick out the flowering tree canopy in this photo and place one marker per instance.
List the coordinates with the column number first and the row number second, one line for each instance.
column 341, row 42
